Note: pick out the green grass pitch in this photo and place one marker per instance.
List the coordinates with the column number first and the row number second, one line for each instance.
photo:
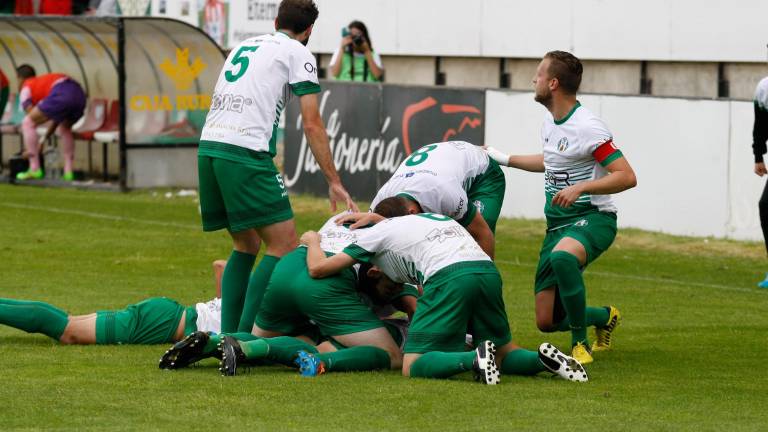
column 690, row 355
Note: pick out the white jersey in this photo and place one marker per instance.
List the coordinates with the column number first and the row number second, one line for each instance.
column 576, row 149
column 438, row 176
column 761, row 94
column 209, row 316
column 334, row 238
column 252, row 90
column 413, row 248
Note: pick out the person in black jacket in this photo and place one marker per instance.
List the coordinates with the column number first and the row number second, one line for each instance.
column 759, row 137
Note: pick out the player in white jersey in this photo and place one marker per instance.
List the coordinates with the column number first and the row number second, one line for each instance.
column 240, row 188
column 453, row 178
column 152, row 321
column 759, row 137
column 582, row 167
column 462, row 292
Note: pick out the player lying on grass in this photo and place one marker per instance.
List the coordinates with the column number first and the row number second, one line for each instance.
column 462, row 290
column 295, row 306
column 455, row 179
column 152, row 321
column 582, row 167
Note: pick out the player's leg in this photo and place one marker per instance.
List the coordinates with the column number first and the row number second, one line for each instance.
column 234, row 281
column 33, row 317
column 763, row 206
column 366, row 350
column 81, row 330
column 64, row 131
column 31, row 147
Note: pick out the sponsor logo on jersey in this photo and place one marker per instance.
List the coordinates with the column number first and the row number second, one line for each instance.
column 230, row 102
column 557, row 178
column 442, row 234
column 581, row 223
column 562, row 145
column 309, row 67
column 459, row 207
column 479, row 206
column 410, row 174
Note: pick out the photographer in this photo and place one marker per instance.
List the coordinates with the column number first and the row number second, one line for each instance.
column 355, row 59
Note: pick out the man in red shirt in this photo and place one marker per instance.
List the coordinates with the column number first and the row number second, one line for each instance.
column 55, row 97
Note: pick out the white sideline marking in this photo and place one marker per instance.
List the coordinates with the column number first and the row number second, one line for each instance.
column 101, row 216
column 649, row 279
column 514, row 263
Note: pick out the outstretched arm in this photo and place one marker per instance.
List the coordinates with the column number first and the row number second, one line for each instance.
column 318, row 264
column 533, row 162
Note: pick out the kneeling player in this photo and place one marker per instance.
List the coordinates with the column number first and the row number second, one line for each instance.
column 462, row 290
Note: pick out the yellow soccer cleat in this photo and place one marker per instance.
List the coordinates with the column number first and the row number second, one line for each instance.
column 582, row 353
column 603, row 334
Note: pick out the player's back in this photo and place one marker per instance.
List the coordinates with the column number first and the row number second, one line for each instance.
column 252, row 90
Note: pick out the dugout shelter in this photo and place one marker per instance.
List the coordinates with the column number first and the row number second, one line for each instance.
column 148, row 81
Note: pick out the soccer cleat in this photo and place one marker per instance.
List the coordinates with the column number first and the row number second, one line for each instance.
column 582, row 353
column 309, row 365
column 484, row 364
column 231, row 356
column 30, row 175
column 763, row 283
column 603, row 334
column 560, row 364
column 70, row 176
column 186, row 351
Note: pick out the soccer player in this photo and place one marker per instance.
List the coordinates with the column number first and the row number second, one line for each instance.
column 462, row 290
column 240, row 188
column 56, row 97
column 455, row 179
column 759, row 137
column 295, row 305
column 582, row 167
column 152, row 321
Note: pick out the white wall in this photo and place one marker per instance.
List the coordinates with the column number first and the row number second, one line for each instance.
column 674, row 30
column 693, row 160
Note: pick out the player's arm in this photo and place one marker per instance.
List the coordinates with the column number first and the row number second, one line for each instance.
column 620, row 177
column 482, row 234
column 359, row 219
column 321, row 149
column 318, row 264
column 759, row 137
column 218, row 273
column 532, row 162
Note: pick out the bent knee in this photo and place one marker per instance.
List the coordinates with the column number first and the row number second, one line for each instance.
column 545, row 325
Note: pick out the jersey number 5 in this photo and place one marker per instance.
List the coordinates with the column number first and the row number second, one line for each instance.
column 239, row 60
column 420, row 155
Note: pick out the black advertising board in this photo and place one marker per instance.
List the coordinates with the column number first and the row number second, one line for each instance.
column 373, row 128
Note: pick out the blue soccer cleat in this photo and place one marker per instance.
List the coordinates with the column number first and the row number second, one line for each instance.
column 764, row 283
column 309, row 365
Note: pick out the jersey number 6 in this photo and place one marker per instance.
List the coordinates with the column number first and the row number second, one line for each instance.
column 239, row 60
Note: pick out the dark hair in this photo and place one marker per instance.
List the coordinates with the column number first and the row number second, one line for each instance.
column 392, row 207
column 296, row 15
column 25, row 71
column 360, row 26
column 566, row 68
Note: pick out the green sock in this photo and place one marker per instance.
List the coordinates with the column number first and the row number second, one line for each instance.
column 437, row 364
column 572, row 293
column 281, row 349
column 213, row 340
column 522, row 362
column 34, row 317
column 597, row 316
column 234, row 283
column 256, row 287
column 357, row 358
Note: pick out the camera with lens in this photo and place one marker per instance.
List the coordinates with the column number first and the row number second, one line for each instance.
column 357, row 39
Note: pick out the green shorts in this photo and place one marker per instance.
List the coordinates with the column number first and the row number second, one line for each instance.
column 239, row 188
column 293, row 299
column 152, row 321
column 459, row 299
column 596, row 231
column 487, row 193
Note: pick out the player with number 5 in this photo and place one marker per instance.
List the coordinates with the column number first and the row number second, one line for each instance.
column 240, row 187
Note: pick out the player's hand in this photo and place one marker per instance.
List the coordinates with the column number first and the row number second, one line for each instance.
column 309, row 238
column 365, row 47
column 359, row 220
column 336, row 192
column 346, row 41
column 566, row 197
column 760, row 169
column 499, row 157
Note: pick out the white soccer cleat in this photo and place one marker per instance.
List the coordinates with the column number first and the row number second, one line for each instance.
column 484, row 364
column 558, row 363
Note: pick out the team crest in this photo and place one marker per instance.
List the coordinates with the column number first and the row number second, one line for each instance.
column 581, row 223
column 479, row 205
column 280, row 181
column 562, row 145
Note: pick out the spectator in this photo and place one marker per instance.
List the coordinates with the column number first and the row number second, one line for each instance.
column 759, row 137
column 4, row 90
column 355, row 60
column 55, row 97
